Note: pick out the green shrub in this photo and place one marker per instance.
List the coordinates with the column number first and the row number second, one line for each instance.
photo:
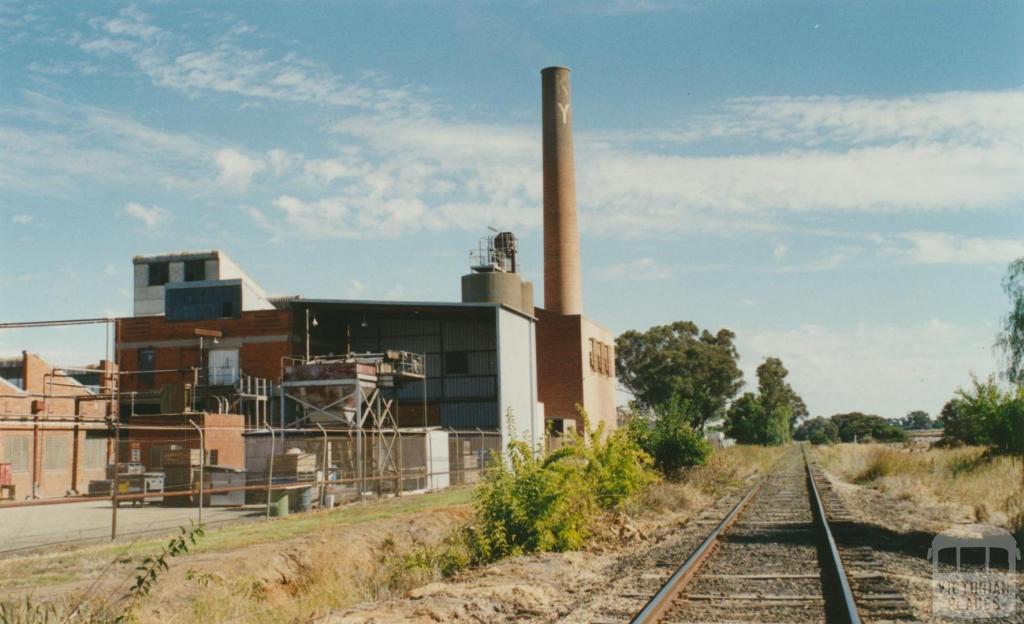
column 669, row 439
column 529, row 503
column 985, row 415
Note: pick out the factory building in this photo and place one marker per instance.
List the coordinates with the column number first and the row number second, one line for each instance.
column 479, row 354
column 54, row 427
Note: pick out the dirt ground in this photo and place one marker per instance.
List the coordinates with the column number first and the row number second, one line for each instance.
column 537, row 588
column 553, row 587
column 900, row 532
column 548, row 587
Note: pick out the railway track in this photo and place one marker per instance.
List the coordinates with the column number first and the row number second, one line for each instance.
column 767, row 555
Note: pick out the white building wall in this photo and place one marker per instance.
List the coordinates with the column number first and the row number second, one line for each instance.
column 149, row 300
column 517, row 380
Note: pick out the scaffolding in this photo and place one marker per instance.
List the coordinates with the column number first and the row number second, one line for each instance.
column 346, row 394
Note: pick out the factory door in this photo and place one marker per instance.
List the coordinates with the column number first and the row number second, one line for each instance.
column 223, row 367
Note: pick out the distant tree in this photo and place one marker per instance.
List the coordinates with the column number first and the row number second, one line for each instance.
column 775, row 393
column 749, row 421
column 916, row 419
column 817, row 430
column 855, row 426
column 680, row 362
column 1011, row 339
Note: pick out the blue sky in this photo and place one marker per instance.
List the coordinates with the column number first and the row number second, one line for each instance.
column 840, row 183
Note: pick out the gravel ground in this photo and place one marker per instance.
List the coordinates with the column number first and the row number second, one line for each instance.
column 898, row 534
column 773, row 538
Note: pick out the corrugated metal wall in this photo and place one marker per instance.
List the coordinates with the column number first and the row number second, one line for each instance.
column 467, row 400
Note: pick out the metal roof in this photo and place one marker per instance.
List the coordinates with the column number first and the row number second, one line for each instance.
column 421, row 305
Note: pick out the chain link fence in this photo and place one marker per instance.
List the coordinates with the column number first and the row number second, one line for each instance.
column 159, row 477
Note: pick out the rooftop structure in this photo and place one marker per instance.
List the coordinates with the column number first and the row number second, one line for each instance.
column 194, row 286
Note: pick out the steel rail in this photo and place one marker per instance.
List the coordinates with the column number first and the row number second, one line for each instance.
column 849, row 606
column 661, row 601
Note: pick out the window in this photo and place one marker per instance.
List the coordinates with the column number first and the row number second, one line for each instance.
column 55, row 452
column 95, row 451
column 146, row 364
column 600, row 357
column 159, row 273
column 195, row 270
column 16, row 452
column 197, row 303
column 456, row 363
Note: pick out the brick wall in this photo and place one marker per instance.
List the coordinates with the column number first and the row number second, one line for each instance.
column 39, row 426
column 222, row 433
column 564, row 375
column 559, row 364
column 262, row 338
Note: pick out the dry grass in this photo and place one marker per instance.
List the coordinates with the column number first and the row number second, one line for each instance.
column 700, row 486
column 289, row 570
column 969, row 483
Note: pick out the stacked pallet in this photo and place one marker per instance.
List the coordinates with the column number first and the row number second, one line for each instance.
column 295, row 464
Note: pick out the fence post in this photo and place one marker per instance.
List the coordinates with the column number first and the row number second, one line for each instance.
column 483, row 453
column 270, row 468
column 114, row 482
column 202, row 463
column 323, row 463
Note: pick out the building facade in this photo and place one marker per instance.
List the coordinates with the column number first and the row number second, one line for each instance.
column 54, row 425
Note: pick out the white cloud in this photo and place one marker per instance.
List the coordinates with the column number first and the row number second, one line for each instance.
column 236, row 169
column 643, row 269
column 809, row 155
column 343, row 217
column 355, row 289
column 963, row 117
column 150, row 216
column 22, row 219
column 942, row 248
column 888, row 370
column 831, row 260
column 172, row 60
column 780, row 250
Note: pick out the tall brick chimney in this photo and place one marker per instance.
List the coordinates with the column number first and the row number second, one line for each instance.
column 563, row 292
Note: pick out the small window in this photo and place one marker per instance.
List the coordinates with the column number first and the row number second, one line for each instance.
column 195, row 270
column 159, row 273
column 55, row 453
column 227, row 309
column 456, row 363
column 147, row 364
column 16, row 452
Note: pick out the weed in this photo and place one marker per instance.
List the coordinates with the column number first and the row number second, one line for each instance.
column 530, row 503
column 151, row 568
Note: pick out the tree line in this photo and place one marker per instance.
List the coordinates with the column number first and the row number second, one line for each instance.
column 683, row 378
